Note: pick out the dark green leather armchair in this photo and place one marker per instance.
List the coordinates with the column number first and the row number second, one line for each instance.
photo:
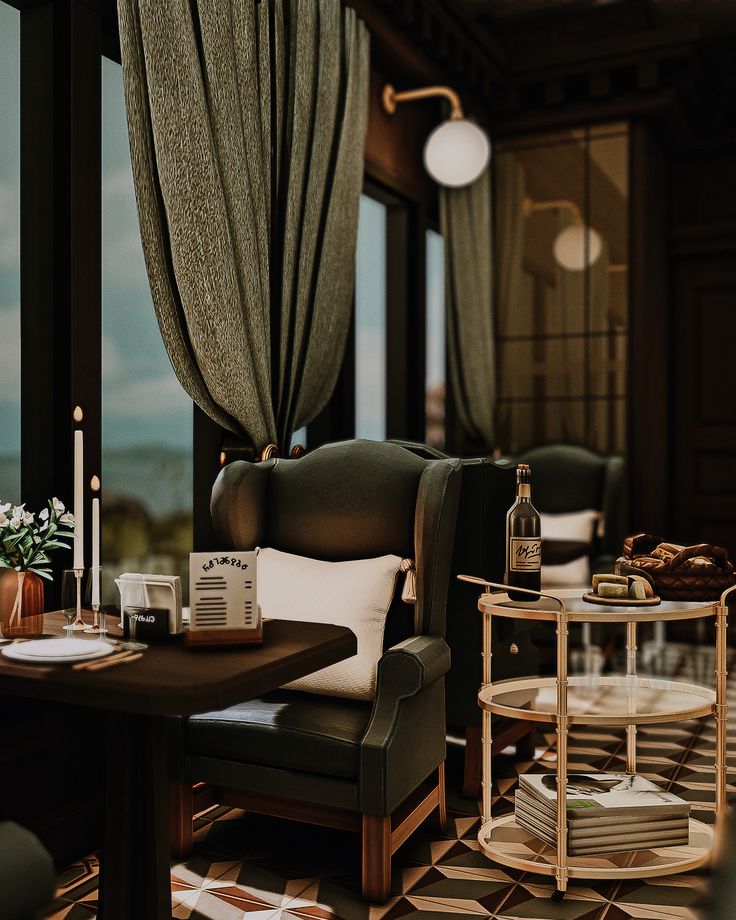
column 376, row 768
column 488, row 490
column 568, row 478
column 27, row 877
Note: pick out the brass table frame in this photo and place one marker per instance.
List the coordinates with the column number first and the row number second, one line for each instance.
column 495, row 601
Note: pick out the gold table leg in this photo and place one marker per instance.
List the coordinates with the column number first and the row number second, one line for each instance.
column 631, row 696
column 562, row 732
column 721, row 711
column 486, row 780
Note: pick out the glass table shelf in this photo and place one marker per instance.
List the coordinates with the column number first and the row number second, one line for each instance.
column 610, row 699
column 580, row 611
column 505, row 842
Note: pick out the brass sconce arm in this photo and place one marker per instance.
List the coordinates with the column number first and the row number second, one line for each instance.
column 554, row 204
column 391, row 98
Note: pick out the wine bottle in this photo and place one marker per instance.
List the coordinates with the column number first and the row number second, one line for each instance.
column 523, row 539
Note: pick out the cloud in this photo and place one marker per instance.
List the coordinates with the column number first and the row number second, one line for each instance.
column 122, row 259
column 9, row 222
column 9, row 354
column 118, row 183
column 155, row 397
column 112, row 359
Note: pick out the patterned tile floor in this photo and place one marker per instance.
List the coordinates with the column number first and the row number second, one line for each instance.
column 248, row 866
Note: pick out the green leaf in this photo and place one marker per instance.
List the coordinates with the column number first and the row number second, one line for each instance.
column 44, row 573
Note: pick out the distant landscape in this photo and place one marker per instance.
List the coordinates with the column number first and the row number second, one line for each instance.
column 159, row 477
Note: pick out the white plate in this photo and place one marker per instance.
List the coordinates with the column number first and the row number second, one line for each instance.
column 57, row 651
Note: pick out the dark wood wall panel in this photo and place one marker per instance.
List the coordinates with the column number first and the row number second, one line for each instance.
column 704, row 416
column 650, row 339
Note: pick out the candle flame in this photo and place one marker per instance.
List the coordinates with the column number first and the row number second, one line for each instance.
column 78, row 414
column 223, row 458
column 94, row 483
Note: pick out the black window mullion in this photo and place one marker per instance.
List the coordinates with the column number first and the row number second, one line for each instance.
column 60, row 247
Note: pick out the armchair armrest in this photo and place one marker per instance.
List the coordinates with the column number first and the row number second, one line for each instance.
column 409, row 667
column 405, row 737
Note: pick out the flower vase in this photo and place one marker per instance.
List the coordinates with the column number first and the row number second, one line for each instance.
column 21, row 605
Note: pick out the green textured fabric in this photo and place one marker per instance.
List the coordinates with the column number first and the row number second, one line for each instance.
column 465, row 217
column 247, row 123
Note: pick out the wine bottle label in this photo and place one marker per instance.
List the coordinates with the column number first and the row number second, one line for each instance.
column 526, row 554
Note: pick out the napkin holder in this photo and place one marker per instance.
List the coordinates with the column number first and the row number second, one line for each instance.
column 223, row 609
column 157, row 591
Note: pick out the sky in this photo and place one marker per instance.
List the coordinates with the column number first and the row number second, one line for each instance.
column 143, row 402
column 370, row 321
column 435, row 294
column 9, row 249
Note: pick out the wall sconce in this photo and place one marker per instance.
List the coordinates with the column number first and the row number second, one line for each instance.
column 457, row 151
column 576, row 247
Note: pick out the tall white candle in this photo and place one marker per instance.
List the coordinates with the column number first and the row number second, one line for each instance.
column 78, row 499
column 95, row 552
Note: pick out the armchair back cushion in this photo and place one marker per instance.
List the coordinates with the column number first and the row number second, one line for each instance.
column 345, row 501
column 356, row 594
column 567, row 478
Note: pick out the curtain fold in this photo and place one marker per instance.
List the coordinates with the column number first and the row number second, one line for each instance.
column 509, row 247
column 246, row 124
column 465, row 218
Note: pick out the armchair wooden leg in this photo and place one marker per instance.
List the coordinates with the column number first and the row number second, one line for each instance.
column 376, row 884
column 442, row 806
column 181, row 807
column 473, row 756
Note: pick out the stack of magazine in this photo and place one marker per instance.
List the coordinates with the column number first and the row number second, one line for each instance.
column 606, row 812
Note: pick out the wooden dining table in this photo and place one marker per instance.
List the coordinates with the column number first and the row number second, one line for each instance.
column 136, row 701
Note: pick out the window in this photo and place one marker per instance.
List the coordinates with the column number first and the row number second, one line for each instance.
column 435, row 332
column 562, row 303
column 147, row 416
column 9, row 253
column 370, row 321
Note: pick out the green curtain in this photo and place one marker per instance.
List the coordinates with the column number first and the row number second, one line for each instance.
column 465, row 217
column 509, row 245
column 247, row 122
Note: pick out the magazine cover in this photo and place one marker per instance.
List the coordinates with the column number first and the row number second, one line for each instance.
column 596, row 792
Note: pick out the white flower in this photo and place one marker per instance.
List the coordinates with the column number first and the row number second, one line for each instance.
column 57, row 505
column 3, row 519
column 43, row 527
column 67, row 518
column 43, row 515
column 14, row 523
column 28, row 517
column 18, row 513
column 5, row 507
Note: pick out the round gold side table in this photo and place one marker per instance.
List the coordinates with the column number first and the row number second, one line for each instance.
column 629, row 700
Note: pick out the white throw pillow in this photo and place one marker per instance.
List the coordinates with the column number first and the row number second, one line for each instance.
column 356, row 594
column 575, row 526
column 567, row 575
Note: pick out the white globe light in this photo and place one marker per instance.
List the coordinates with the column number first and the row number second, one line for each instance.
column 570, row 250
column 456, row 152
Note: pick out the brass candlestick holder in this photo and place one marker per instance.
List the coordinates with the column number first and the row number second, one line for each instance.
column 98, row 626
column 99, row 622
column 79, row 622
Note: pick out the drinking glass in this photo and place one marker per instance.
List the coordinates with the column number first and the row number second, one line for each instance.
column 69, row 600
column 131, row 644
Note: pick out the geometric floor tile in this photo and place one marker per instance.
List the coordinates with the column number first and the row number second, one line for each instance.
column 250, row 867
